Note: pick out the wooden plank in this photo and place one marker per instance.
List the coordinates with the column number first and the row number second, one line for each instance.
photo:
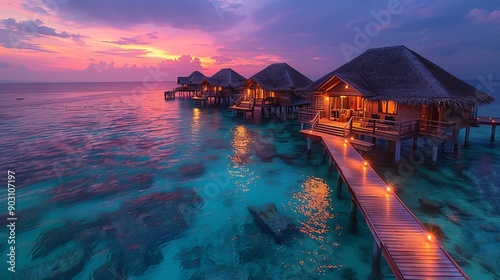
column 401, row 236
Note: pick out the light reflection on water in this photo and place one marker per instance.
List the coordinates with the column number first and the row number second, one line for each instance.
column 314, row 204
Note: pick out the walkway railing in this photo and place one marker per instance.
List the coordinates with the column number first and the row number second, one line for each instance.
column 348, row 127
column 314, row 122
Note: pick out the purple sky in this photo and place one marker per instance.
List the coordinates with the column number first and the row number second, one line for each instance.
column 123, row 40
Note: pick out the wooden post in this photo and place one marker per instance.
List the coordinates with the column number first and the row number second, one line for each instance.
column 457, row 139
column 353, row 219
column 397, row 152
column 415, row 143
column 301, row 126
column 434, row 153
column 309, row 144
column 376, row 258
column 339, row 183
column 493, row 130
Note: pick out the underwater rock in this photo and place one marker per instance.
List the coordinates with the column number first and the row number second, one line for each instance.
column 191, row 170
column 226, row 273
column 79, row 231
column 215, row 144
column 271, row 221
column 349, row 274
column 430, row 205
column 161, row 216
column 190, row 258
column 455, row 207
column 265, row 152
column 64, row 267
column 112, row 270
column 29, row 218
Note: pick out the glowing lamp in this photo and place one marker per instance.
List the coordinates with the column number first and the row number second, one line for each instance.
column 327, row 98
column 346, row 86
column 429, row 237
column 345, row 141
column 352, row 138
column 388, row 188
column 365, row 163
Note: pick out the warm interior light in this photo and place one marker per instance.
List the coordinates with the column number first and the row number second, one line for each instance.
column 342, row 96
column 352, row 138
column 346, row 86
column 388, row 188
column 327, row 98
column 429, row 237
column 345, row 140
column 365, row 163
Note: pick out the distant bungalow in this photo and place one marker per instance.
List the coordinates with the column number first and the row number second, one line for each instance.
column 275, row 86
column 392, row 93
column 225, row 83
column 192, row 83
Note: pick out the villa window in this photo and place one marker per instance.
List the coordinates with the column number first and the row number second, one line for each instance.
column 388, row 107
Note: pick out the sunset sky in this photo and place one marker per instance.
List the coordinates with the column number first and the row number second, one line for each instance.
column 125, row 40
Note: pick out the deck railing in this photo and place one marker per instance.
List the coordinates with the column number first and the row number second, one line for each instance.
column 348, row 127
column 314, row 122
column 238, row 101
column 307, row 114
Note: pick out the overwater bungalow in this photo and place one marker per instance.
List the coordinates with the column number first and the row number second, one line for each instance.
column 276, row 86
column 191, row 84
column 392, row 93
column 225, row 84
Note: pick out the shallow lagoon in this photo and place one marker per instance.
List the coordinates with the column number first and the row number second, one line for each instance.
column 81, row 157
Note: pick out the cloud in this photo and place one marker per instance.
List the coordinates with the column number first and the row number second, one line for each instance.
column 31, row 28
column 124, row 52
column 16, row 40
column 205, row 15
column 153, row 35
column 136, row 40
column 483, row 16
column 219, row 59
column 31, row 7
column 5, row 65
column 166, row 70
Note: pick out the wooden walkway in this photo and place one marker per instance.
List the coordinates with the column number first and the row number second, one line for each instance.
column 399, row 236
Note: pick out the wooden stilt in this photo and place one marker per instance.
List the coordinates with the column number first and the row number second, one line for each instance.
column 434, row 153
column 415, row 143
column 376, row 258
column 339, row 184
column 353, row 219
column 493, row 131
column 456, row 141
column 397, row 152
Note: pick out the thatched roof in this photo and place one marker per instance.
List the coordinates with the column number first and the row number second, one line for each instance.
column 279, row 76
column 195, row 78
column 400, row 74
column 226, row 77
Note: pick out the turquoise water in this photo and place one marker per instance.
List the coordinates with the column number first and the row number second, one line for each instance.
column 114, row 183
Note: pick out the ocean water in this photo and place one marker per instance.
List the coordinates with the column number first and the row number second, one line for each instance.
column 113, row 182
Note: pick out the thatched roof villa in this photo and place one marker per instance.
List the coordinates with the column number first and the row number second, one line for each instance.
column 279, row 82
column 396, row 94
column 192, row 82
column 226, row 83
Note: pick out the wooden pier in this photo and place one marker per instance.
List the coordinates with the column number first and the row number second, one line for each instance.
column 491, row 121
column 410, row 251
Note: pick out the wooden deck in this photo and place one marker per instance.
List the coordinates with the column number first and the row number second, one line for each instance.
column 400, row 237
